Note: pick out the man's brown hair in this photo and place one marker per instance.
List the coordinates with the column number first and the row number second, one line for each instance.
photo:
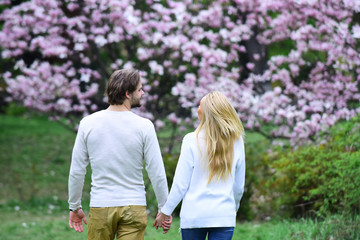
column 119, row 82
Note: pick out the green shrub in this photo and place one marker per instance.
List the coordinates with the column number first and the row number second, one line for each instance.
column 14, row 109
column 256, row 147
column 322, row 178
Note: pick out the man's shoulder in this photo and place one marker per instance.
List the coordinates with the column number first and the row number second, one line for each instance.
column 142, row 120
column 92, row 116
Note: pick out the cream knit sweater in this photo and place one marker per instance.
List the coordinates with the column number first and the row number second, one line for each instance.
column 117, row 145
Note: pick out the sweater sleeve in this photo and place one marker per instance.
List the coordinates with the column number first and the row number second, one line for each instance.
column 239, row 176
column 182, row 178
column 79, row 162
column 155, row 166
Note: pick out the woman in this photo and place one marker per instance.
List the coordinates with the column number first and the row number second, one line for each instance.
column 210, row 174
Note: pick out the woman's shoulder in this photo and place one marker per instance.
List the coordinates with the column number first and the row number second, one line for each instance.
column 191, row 136
column 241, row 139
column 239, row 146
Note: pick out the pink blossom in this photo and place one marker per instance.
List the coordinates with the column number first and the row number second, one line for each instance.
column 192, row 47
column 250, row 65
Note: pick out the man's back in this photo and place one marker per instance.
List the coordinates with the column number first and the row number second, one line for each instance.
column 117, row 143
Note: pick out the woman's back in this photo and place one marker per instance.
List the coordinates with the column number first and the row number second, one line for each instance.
column 206, row 204
column 210, row 174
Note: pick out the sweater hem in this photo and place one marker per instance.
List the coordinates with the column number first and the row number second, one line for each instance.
column 116, row 203
column 207, row 222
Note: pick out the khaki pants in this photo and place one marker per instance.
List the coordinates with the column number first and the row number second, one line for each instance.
column 127, row 223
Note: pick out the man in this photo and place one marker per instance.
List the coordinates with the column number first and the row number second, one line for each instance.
column 116, row 142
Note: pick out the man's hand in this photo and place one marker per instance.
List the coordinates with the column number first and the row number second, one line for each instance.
column 75, row 220
column 163, row 221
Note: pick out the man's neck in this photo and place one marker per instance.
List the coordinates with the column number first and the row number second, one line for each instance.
column 119, row 108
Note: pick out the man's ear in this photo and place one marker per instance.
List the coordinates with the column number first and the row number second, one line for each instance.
column 127, row 95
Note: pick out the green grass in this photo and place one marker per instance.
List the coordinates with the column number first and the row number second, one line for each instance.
column 43, row 225
column 35, row 158
column 34, row 163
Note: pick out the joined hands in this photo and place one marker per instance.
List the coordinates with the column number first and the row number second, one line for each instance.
column 163, row 221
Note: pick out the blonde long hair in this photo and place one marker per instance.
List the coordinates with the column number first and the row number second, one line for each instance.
column 222, row 127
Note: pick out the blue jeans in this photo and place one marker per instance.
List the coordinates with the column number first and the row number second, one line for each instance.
column 216, row 233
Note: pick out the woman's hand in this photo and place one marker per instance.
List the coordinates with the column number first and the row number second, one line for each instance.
column 163, row 221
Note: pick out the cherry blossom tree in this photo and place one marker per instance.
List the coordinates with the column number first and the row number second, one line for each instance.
column 291, row 68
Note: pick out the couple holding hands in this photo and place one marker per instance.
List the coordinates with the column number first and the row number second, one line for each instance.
column 209, row 177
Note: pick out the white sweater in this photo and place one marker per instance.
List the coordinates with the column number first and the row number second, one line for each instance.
column 116, row 144
column 203, row 205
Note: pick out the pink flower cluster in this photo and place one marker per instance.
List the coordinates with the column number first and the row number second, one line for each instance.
column 50, row 88
column 185, row 49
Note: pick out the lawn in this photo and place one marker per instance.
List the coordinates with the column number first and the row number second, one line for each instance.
column 41, row 225
column 17, row 224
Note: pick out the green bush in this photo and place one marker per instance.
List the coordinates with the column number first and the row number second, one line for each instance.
column 323, row 178
column 256, row 147
column 14, row 109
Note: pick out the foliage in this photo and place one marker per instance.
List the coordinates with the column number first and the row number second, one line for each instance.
column 59, row 54
column 14, row 109
column 256, row 146
column 321, row 178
